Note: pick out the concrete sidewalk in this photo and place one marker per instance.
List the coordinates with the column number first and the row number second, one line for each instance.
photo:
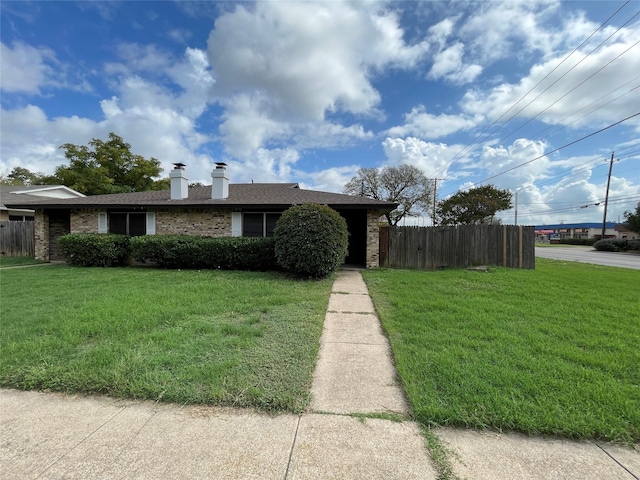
column 54, row 436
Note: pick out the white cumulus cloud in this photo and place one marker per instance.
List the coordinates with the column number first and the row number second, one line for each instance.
column 25, row 68
column 300, row 63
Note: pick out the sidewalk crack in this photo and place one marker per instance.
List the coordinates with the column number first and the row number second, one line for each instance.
column 64, row 454
column 293, row 445
column 616, row 460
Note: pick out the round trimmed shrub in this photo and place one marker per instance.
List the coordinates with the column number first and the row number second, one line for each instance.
column 311, row 240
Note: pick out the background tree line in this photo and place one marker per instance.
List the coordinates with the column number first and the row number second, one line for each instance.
column 409, row 187
column 104, row 167
column 98, row 168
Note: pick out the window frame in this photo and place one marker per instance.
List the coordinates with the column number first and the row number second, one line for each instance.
column 148, row 223
column 266, row 233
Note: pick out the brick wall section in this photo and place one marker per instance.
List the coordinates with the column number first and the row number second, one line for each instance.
column 373, row 239
column 209, row 223
column 84, row 221
column 41, row 234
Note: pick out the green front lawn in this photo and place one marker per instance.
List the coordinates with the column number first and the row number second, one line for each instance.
column 240, row 339
column 17, row 261
column 548, row 351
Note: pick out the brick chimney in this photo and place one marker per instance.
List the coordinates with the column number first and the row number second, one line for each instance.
column 179, row 182
column 219, row 182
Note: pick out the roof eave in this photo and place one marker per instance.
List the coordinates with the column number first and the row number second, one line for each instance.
column 178, row 204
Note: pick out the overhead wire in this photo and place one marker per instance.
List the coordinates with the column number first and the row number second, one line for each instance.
column 573, row 89
column 559, row 148
column 567, row 93
column 577, row 169
column 474, row 141
column 580, row 205
column 565, row 125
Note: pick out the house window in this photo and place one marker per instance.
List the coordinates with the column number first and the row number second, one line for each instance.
column 259, row 224
column 133, row 224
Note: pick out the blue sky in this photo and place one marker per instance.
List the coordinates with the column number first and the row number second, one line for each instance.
column 308, row 92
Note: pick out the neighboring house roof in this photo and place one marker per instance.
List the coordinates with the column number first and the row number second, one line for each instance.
column 23, row 195
column 241, row 195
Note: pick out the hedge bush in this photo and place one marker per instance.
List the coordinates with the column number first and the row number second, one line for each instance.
column 191, row 252
column 311, row 240
column 94, row 250
column 578, row 241
column 616, row 245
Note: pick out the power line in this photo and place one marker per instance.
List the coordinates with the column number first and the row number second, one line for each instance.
column 575, row 170
column 563, row 96
column 560, row 148
column 573, row 89
column 581, row 205
column 474, row 142
column 619, row 199
column 587, row 106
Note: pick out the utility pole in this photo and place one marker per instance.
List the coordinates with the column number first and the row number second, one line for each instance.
column 606, row 199
column 515, row 221
column 435, row 199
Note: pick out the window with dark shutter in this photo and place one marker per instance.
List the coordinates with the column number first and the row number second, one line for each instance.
column 133, row 224
column 252, row 225
column 118, row 223
column 137, row 224
column 259, row 224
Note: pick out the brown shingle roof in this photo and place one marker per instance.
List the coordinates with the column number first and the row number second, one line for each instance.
column 10, row 194
column 241, row 195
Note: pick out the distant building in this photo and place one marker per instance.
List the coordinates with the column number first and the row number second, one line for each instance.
column 576, row 230
column 621, row 230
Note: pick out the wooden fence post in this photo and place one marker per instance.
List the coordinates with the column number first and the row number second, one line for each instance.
column 520, row 246
column 504, row 246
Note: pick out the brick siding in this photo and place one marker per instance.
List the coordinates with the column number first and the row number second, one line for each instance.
column 373, row 238
column 41, row 234
column 210, row 223
column 84, row 221
column 213, row 223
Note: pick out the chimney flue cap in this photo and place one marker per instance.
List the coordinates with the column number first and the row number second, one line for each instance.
column 220, row 164
column 179, row 165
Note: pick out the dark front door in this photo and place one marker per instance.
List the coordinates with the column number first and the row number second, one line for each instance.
column 357, row 226
column 59, row 224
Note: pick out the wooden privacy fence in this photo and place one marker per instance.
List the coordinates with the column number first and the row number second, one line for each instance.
column 463, row 246
column 17, row 239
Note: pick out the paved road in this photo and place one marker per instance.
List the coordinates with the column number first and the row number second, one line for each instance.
column 589, row 255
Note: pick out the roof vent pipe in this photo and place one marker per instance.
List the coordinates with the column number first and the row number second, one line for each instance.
column 219, row 182
column 179, row 182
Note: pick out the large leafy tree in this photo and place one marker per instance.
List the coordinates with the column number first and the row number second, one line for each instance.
column 633, row 219
column 473, row 207
column 406, row 185
column 23, row 176
column 107, row 167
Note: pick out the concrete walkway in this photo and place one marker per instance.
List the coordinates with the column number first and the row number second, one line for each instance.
column 54, row 436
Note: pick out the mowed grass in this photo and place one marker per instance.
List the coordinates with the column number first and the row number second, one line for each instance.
column 17, row 261
column 241, row 339
column 554, row 350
